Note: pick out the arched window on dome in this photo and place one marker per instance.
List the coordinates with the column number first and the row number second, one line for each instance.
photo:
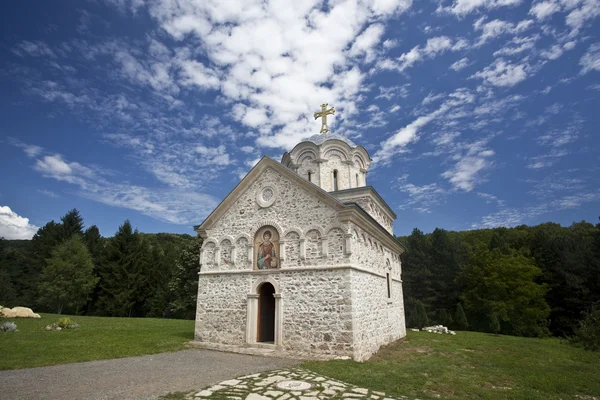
column 335, row 179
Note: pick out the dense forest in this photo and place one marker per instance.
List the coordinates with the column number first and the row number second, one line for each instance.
column 66, row 269
column 526, row 281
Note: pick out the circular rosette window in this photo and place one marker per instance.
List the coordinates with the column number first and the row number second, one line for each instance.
column 266, row 196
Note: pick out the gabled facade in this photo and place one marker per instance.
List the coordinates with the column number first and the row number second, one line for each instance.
column 290, row 266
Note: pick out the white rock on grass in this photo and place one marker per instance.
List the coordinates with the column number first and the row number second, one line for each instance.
column 18, row 312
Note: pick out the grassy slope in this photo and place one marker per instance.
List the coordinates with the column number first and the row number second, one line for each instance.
column 97, row 338
column 474, row 366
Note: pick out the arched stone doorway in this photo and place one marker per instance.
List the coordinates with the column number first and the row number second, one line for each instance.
column 266, row 314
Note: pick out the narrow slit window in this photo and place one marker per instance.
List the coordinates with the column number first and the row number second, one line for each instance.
column 388, row 285
column 356, row 180
column 335, row 179
column 310, row 176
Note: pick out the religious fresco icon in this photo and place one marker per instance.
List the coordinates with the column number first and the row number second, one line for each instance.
column 266, row 248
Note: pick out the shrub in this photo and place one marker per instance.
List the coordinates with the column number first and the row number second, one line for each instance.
column 587, row 334
column 65, row 322
column 8, row 327
column 442, row 317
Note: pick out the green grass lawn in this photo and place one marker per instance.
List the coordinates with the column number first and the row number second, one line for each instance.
column 97, row 338
column 474, row 366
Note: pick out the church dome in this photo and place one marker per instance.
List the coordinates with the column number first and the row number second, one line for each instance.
column 322, row 138
column 330, row 161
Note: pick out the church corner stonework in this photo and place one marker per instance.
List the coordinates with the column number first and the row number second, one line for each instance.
column 287, row 266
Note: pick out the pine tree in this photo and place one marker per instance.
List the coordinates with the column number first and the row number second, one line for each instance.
column 421, row 315
column 72, row 224
column 68, row 279
column 460, row 318
column 124, row 274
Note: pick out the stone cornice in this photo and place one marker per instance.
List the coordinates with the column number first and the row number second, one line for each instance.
column 259, row 272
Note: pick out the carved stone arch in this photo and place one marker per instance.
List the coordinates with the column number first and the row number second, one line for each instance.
column 205, row 242
column 259, row 224
column 291, row 247
column 358, row 160
column 297, row 230
column 335, row 152
column 264, row 279
column 335, row 243
column 242, row 235
column 314, row 228
column 313, row 243
column 243, row 249
column 306, row 155
column 226, row 251
column 209, row 253
column 226, row 237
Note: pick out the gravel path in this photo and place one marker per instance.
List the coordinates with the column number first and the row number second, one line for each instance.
column 145, row 377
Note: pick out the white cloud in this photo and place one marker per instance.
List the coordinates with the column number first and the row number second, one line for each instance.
column 544, row 9
column 546, row 160
column 263, row 55
column 392, row 92
column 397, row 143
column 463, row 7
column 48, row 193
column 495, row 28
column 590, row 61
column 13, row 226
column 502, row 73
column 517, row 45
column 460, row 64
column 466, row 173
column 365, row 43
column 178, row 204
column 433, row 47
column 34, row 49
column 420, row 198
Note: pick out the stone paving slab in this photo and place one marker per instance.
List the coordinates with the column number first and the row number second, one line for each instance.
column 286, row 384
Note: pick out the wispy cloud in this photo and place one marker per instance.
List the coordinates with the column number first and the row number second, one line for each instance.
column 173, row 205
column 463, row 7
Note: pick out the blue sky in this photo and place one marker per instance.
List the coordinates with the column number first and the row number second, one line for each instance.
column 476, row 113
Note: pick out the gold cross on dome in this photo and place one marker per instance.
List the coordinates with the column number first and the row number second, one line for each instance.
column 323, row 115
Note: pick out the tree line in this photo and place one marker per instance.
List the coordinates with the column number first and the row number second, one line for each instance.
column 66, row 269
column 525, row 281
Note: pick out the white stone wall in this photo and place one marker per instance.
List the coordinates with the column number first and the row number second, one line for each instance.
column 378, row 320
column 316, row 310
column 221, row 309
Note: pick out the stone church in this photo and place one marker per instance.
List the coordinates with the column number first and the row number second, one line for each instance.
column 300, row 258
